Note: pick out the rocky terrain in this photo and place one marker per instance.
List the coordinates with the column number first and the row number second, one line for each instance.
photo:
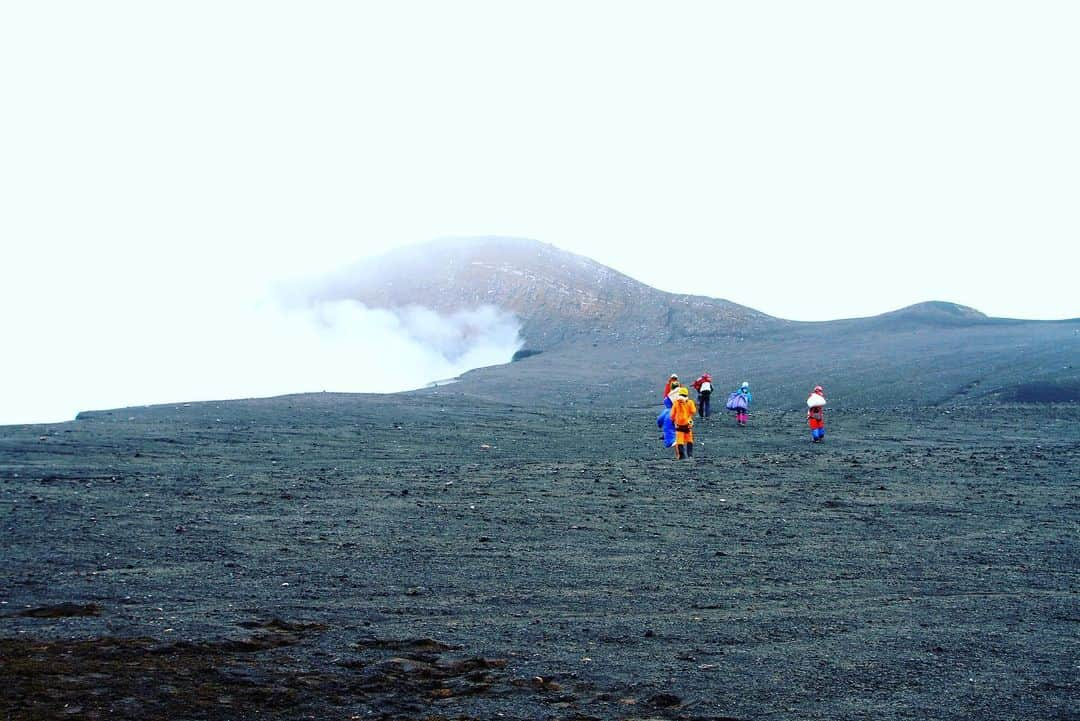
column 441, row 556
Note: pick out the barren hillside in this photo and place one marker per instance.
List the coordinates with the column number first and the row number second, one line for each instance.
column 557, row 295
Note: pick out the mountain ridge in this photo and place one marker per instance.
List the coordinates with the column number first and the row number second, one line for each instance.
column 587, row 326
column 557, row 295
column 593, row 334
column 560, row 296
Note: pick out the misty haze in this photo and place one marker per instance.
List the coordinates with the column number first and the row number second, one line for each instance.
column 232, row 348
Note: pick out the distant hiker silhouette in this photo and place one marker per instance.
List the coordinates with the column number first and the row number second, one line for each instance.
column 815, row 414
column 682, row 415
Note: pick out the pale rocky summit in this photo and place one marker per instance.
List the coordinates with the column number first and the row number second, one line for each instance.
column 557, row 295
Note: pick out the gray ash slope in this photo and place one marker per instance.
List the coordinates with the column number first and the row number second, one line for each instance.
column 596, row 334
column 340, row 556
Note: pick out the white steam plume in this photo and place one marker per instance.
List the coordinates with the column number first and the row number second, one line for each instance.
column 147, row 348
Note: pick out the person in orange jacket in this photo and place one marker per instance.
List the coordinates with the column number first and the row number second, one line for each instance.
column 683, row 411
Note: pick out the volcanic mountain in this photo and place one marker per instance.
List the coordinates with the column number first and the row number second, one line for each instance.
column 557, row 296
column 592, row 334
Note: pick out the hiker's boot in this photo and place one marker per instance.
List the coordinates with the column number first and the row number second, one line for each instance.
column 689, row 450
column 679, row 453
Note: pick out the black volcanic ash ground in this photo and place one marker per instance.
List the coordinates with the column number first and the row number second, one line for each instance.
column 439, row 557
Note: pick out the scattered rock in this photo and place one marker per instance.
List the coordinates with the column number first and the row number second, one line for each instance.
column 664, row 700
column 415, row 645
column 276, row 624
column 543, row 684
column 62, row 610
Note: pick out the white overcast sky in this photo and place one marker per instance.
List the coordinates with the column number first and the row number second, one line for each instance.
column 156, row 157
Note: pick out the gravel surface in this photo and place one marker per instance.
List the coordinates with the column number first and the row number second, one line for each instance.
column 438, row 556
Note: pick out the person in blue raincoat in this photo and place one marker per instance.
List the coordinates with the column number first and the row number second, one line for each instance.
column 664, row 422
column 742, row 408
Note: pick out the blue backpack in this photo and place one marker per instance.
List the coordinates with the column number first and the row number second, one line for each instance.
column 736, row 402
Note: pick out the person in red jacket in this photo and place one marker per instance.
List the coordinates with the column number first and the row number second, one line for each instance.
column 815, row 414
column 703, row 386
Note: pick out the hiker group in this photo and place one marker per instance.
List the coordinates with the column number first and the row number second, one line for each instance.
column 680, row 410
